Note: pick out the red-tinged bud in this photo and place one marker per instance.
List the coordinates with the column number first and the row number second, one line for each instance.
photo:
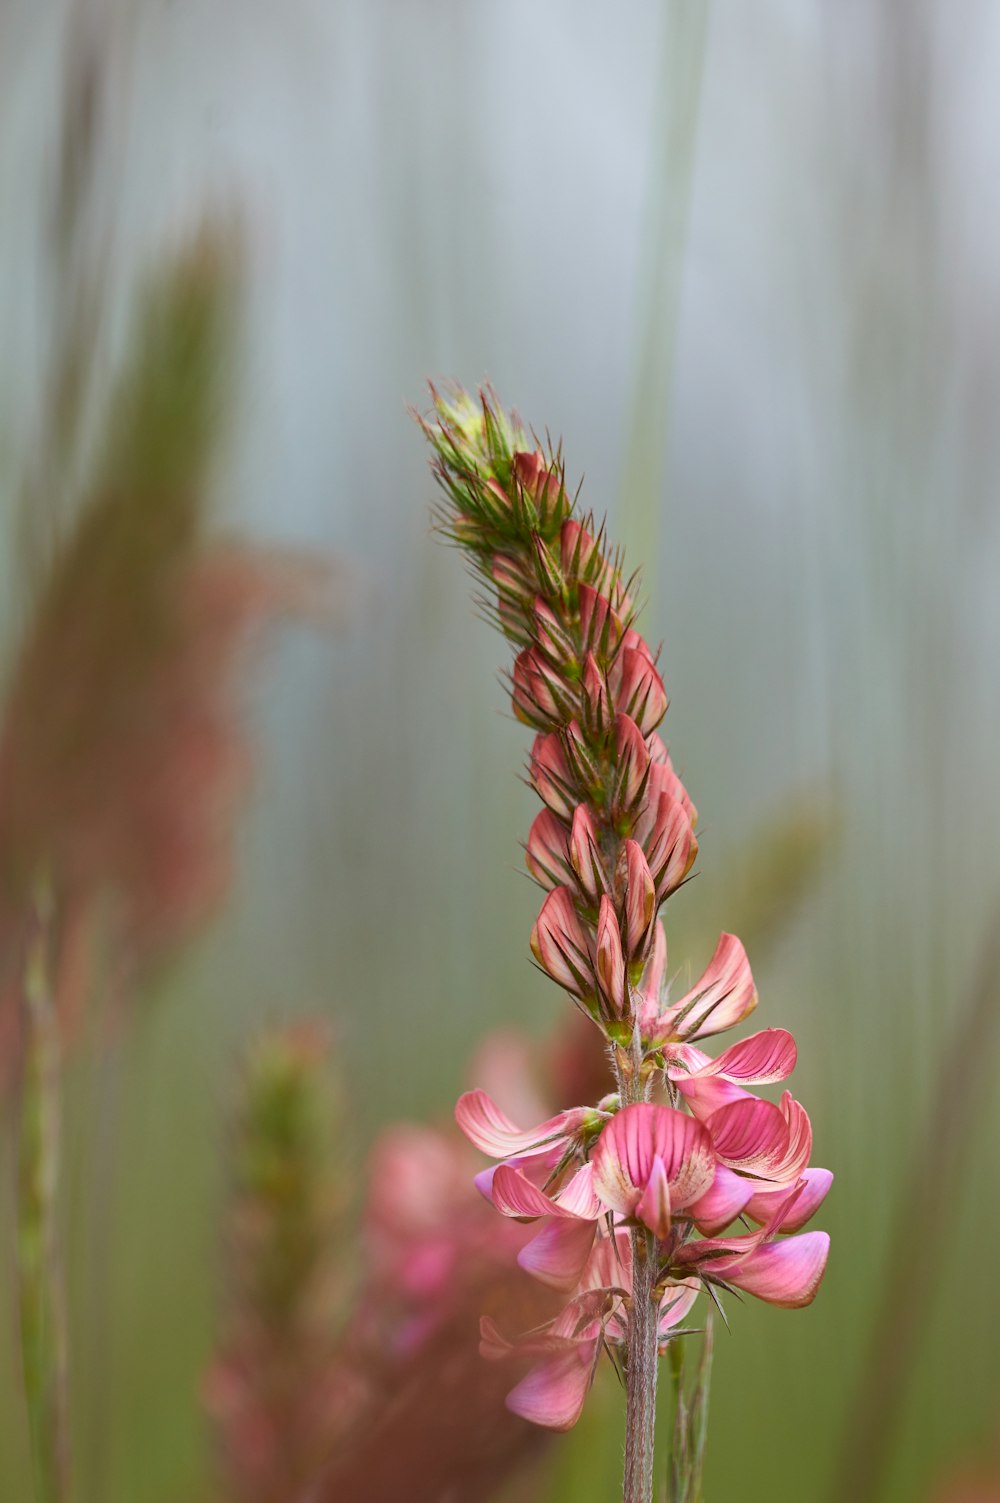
column 597, row 714
column 663, row 779
column 546, row 854
column 637, row 903
column 639, row 690
column 610, row 960
column 579, row 758
column 632, row 770
column 515, row 599
column 582, row 561
column 601, row 628
column 497, row 501
column 542, row 489
column 585, row 854
column 547, row 569
column 670, row 846
column 559, row 944
column 551, row 777
column 530, row 468
column 540, row 696
column 553, row 639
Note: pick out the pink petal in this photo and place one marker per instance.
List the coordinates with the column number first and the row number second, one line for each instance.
column 640, row 901
column 514, row 1195
column 585, row 854
column 653, row 1206
column 597, row 713
column 550, row 775
column 722, row 1202
column 559, row 944
column 623, row 1156
column 546, row 855
column 705, row 1094
column 751, row 1135
column 676, row 1303
column 492, row 1131
column 535, row 1166
column 785, row 1273
column 610, row 1265
column 652, row 978
column 640, row 691
column 559, row 1254
column 800, row 1136
column 610, row 959
column 601, row 627
column 553, row 1393
column 724, row 996
column 817, row 1184
column 760, row 1059
column 633, row 766
column 670, row 845
column 577, row 1197
column 663, row 779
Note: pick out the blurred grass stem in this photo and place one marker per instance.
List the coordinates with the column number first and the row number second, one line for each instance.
column 41, row 1296
column 665, row 237
column 912, row 1260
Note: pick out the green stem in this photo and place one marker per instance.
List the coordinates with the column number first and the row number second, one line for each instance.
column 39, row 1274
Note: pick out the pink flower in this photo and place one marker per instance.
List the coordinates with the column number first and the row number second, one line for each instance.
column 723, row 997
column 554, row 1391
column 761, row 1059
column 786, row 1272
column 651, row 1161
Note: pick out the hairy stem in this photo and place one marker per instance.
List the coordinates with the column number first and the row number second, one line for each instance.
column 640, row 1372
column 40, row 1295
column 640, row 1408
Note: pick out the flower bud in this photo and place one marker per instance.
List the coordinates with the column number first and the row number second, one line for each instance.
column 540, row 696
column 639, row 692
column 542, row 489
column 515, row 599
column 580, row 760
column 597, row 714
column 546, row 854
column 670, row 846
column 550, row 775
column 552, row 637
column 585, row 854
column 610, row 960
column 559, row 944
column 637, row 903
column 601, row 628
column 632, row 769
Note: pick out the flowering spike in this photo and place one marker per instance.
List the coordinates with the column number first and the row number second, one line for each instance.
column 633, row 1197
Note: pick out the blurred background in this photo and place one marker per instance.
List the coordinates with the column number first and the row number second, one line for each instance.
column 744, row 261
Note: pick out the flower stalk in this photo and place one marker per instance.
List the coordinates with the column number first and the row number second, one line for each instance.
column 633, row 1194
column 640, row 1402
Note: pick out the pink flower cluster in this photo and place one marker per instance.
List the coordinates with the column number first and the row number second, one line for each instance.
column 653, row 1176
column 587, row 1175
